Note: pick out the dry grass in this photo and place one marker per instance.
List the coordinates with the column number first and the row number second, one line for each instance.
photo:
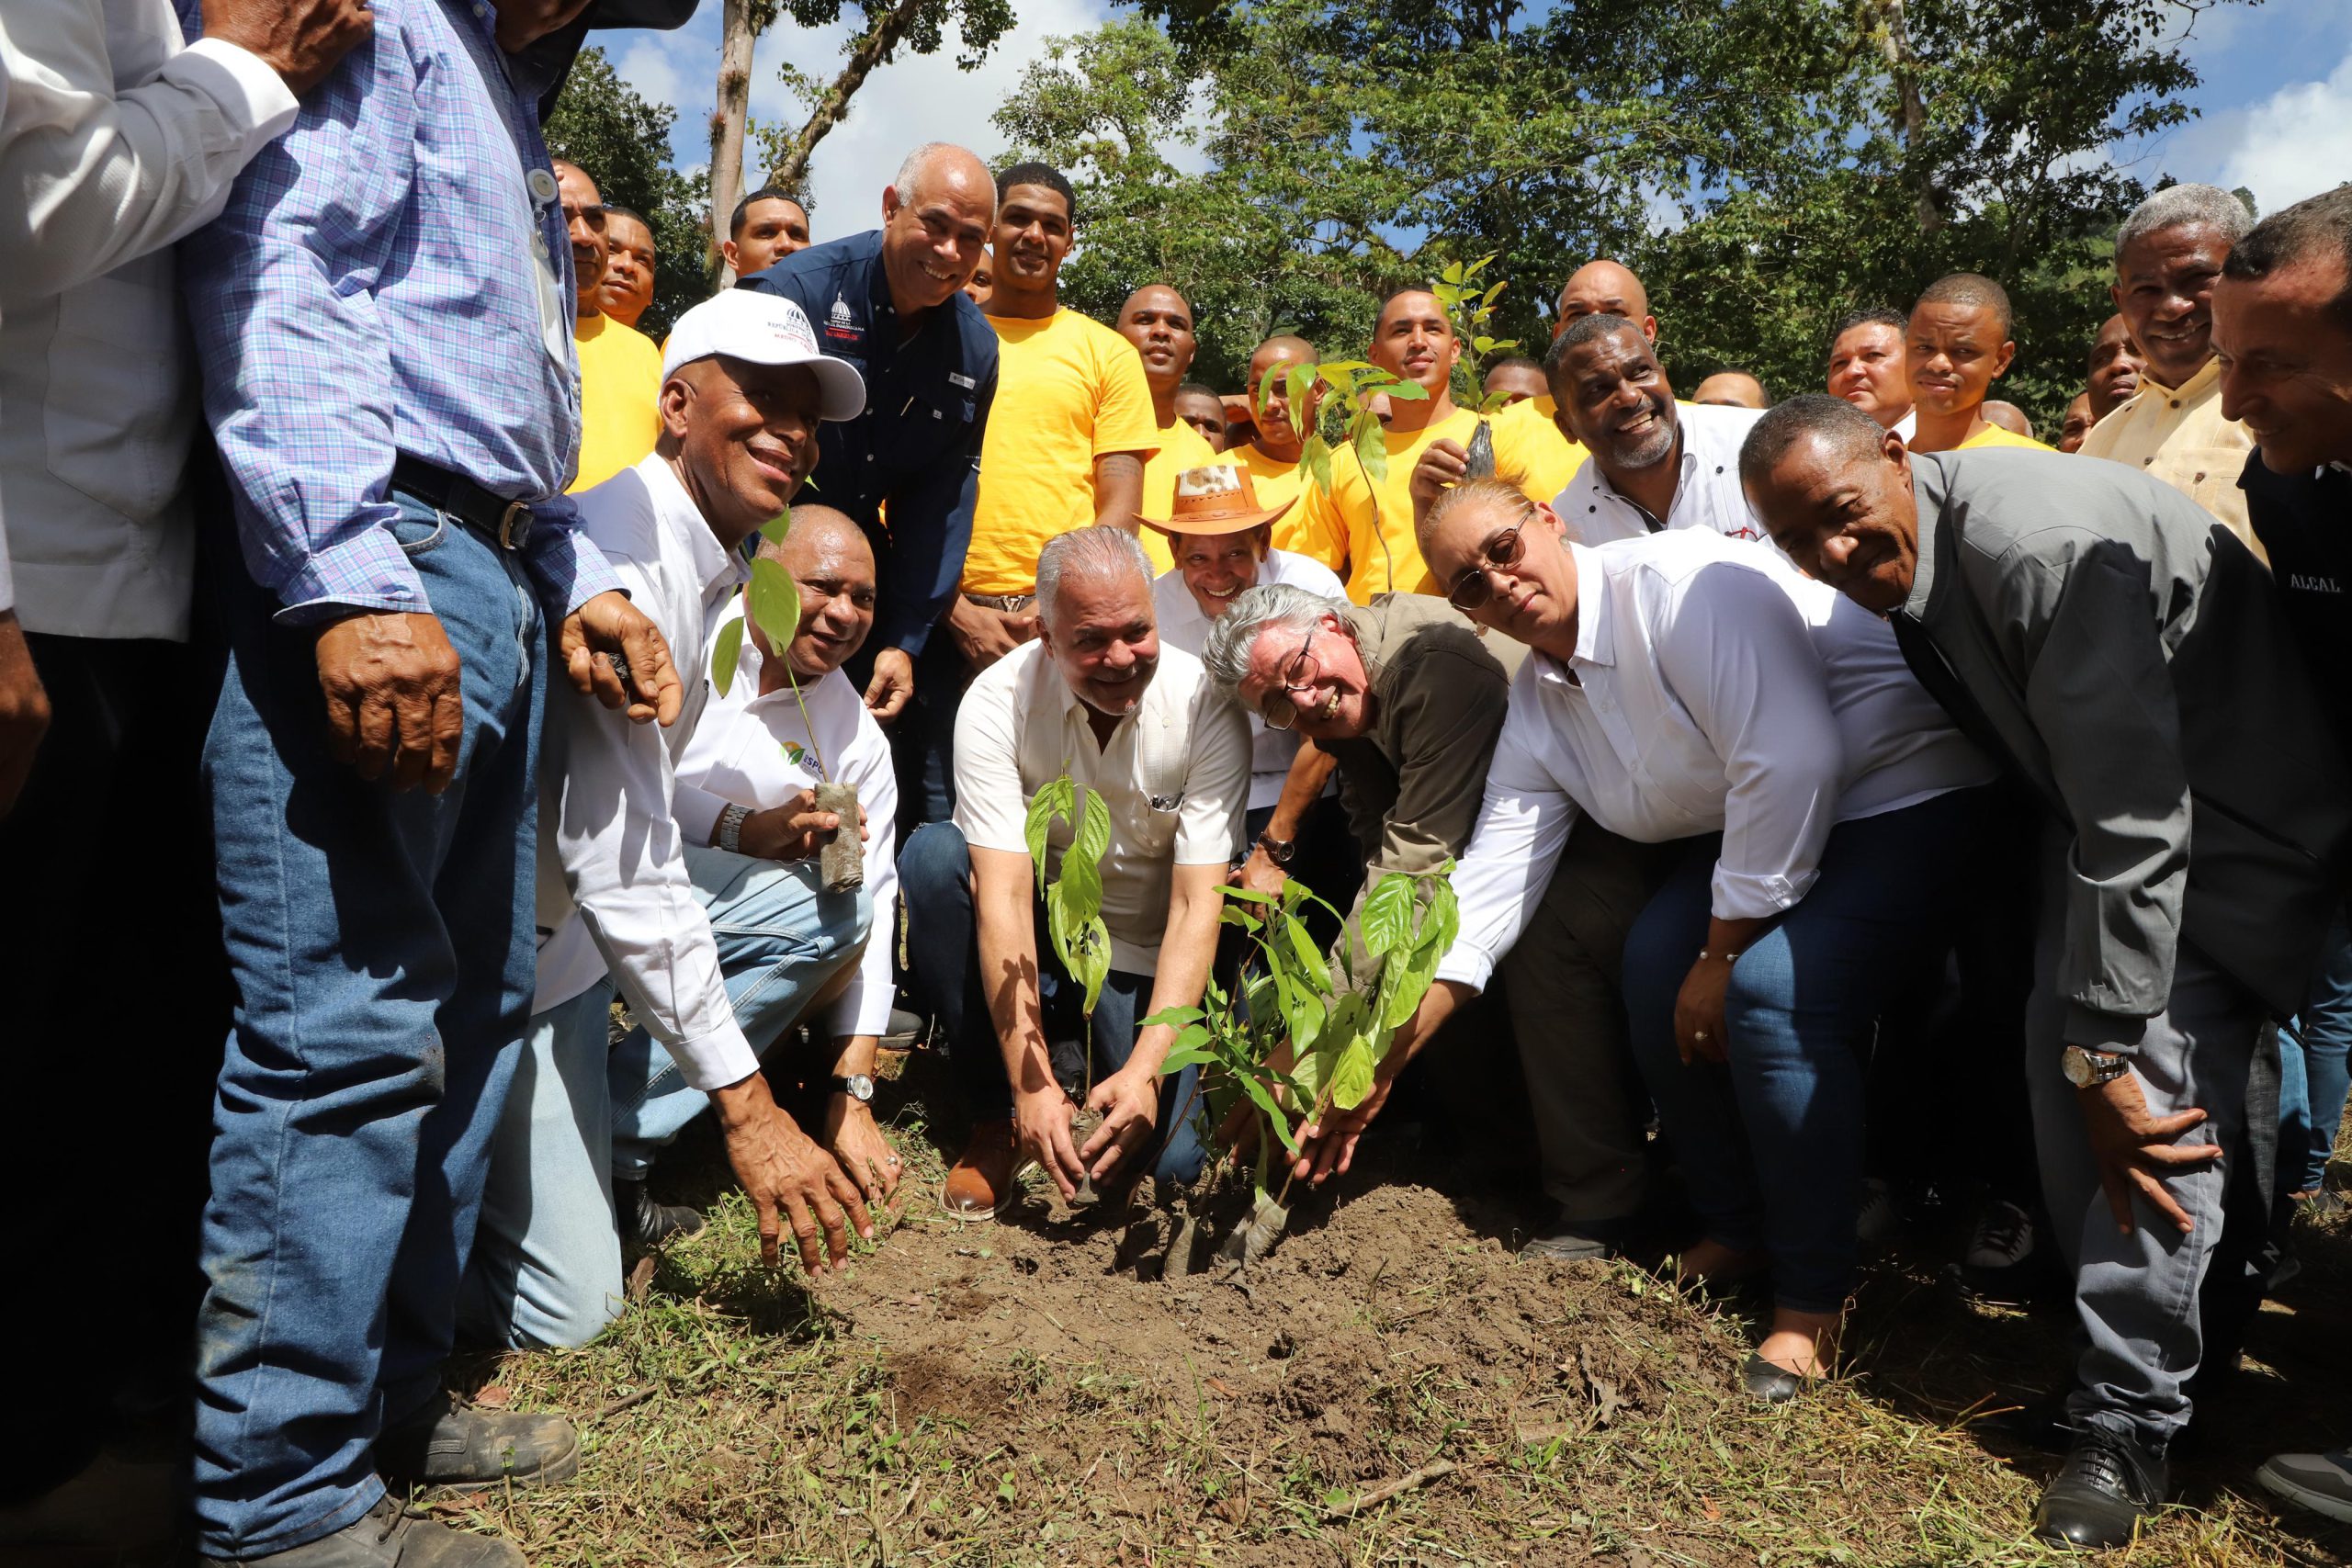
column 732, row 1417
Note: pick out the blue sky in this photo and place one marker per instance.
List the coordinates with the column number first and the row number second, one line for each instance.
column 2275, row 109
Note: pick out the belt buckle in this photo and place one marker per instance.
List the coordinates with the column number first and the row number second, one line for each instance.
column 514, row 525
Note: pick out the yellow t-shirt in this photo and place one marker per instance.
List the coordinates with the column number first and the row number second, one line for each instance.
column 1372, row 526
column 621, row 391
column 1180, row 447
column 1551, row 459
column 1068, row 390
column 1993, row 436
column 1275, row 482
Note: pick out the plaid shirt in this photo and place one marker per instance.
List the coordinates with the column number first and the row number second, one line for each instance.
column 392, row 275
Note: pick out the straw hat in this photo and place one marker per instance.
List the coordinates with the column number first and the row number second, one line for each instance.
column 1217, row 499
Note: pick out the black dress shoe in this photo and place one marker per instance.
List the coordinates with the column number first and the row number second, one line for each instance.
column 1768, row 1383
column 2098, row 1497
column 644, row 1223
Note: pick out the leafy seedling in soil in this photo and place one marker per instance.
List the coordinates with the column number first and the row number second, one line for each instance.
column 1074, row 916
column 772, row 601
column 1302, row 1028
column 1472, row 308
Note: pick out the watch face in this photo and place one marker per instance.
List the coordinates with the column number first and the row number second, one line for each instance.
column 858, row 1087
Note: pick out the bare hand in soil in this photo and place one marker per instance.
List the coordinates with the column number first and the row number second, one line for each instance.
column 788, row 1178
column 1041, row 1124
column 861, row 1150
column 1326, row 1147
column 794, row 830
column 1129, row 1101
column 2135, row 1150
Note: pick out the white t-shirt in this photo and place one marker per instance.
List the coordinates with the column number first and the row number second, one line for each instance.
column 1181, row 625
column 1175, row 776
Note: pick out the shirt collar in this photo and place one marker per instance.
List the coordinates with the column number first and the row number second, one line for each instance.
column 716, row 567
column 1686, row 463
column 1595, row 633
column 2208, row 375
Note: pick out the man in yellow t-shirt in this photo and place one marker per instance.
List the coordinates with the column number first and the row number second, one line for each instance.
column 1070, row 430
column 620, row 368
column 1271, row 453
column 1959, row 346
column 1371, row 525
column 1159, row 322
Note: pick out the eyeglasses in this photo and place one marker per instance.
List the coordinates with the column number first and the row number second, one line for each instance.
column 1475, row 587
column 1300, row 676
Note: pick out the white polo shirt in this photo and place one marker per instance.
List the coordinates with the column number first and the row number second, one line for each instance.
column 1181, row 625
column 1175, row 776
column 1712, row 689
column 1707, row 495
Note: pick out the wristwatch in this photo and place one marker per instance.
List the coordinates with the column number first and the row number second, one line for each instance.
column 728, row 835
column 2088, row 1069
column 1279, row 850
column 857, row 1086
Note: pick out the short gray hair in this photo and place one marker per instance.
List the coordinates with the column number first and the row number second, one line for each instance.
column 1234, row 635
column 2177, row 205
column 1099, row 549
column 912, row 169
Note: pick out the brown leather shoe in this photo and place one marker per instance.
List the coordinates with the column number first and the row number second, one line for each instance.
column 982, row 1178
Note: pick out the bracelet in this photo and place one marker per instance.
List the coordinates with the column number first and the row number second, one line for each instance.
column 1726, row 957
column 729, row 836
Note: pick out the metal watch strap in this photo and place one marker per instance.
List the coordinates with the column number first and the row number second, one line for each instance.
column 729, row 836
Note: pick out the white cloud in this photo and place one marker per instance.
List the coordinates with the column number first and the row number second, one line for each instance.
column 647, row 65
column 2295, row 143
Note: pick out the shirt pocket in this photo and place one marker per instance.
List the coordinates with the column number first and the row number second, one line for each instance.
column 120, row 410
column 2209, row 476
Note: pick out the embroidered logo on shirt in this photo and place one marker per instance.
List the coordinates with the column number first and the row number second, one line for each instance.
column 842, row 315
column 2310, row 584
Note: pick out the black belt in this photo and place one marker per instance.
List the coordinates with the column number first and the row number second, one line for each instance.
column 505, row 523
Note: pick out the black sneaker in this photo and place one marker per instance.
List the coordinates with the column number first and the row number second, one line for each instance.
column 644, row 1223
column 2102, row 1492
column 447, row 1444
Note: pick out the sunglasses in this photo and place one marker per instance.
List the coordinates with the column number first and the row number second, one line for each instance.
column 1476, row 586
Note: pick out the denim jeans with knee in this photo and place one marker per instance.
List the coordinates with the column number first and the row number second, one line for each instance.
column 942, row 938
column 1771, row 1144
column 583, row 1110
column 382, row 943
column 2316, row 1070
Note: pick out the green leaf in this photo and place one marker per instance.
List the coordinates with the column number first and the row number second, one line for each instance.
column 725, row 654
column 1299, row 385
column 1264, row 393
column 775, row 600
column 1171, row 1018
column 1314, row 453
column 1263, row 1098
column 1310, row 957
column 1372, row 450
column 1408, row 391
column 1230, row 916
column 1093, row 834
column 1387, row 919
column 1051, row 802
column 1351, row 1075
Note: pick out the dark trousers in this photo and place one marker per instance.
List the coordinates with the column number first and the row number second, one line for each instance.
column 942, row 937
column 121, row 999
column 922, row 741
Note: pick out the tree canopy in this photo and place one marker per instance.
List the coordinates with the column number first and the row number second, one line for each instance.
column 1766, row 166
column 601, row 123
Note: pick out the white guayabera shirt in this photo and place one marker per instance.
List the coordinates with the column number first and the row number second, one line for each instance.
column 1712, row 689
column 1175, row 775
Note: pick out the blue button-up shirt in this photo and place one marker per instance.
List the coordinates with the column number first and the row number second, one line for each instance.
column 918, row 445
column 392, row 275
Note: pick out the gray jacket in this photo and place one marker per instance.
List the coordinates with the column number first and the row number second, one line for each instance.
column 2127, row 655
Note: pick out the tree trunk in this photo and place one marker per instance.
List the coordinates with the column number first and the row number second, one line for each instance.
column 737, row 34
column 1904, row 67
column 873, row 50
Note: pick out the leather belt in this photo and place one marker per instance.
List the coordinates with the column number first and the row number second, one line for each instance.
column 507, row 523
column 1010, row 604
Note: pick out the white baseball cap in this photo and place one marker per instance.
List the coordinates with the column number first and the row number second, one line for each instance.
column 766, row 329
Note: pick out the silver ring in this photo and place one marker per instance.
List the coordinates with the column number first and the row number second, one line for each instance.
column 892, row 1160
column 1698, row 1034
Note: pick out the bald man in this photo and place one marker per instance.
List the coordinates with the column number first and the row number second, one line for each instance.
column 620, row 368
column 1159, row 322
column 891, row 301
column 1605, row 288
column 1277, row 438
column 1732, row 389
column 2009, row 417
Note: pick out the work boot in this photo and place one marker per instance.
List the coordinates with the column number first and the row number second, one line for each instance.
column 446, row 1444
column 982, row 1178
column 2102, row 1492
column 388, row 1536
column 1575, row 1240
column 644, row 1223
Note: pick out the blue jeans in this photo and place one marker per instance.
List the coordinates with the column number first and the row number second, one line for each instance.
column 942, row 938
column 381, row 944
column 1771, row 1146
column 2315, row 1074
column 582, row 1111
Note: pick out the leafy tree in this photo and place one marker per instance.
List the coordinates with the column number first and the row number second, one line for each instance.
column 602, row 124
column 1765, row 164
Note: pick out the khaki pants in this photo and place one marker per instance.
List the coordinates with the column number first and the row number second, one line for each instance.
column 1568, row 1011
